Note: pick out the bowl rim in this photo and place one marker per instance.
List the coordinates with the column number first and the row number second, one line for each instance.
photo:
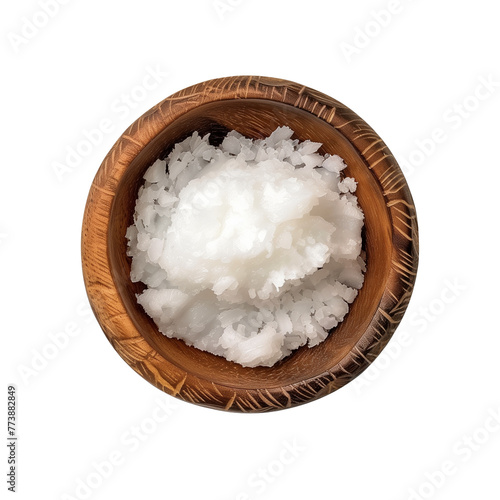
column 102, row 292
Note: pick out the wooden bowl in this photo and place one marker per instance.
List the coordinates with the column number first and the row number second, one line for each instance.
column 254, row 106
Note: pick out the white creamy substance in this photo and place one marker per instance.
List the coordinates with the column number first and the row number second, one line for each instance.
column 248, row 250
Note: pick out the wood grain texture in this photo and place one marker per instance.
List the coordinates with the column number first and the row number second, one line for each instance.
column 254, row 106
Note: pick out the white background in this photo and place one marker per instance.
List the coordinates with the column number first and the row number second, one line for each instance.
column 430, row 399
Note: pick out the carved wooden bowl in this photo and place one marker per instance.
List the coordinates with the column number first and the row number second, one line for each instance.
column 254, row 106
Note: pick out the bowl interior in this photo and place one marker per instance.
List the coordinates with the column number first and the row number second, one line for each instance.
column 256, row 118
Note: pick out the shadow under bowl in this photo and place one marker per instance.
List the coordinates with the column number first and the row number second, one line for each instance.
column 254, row 106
